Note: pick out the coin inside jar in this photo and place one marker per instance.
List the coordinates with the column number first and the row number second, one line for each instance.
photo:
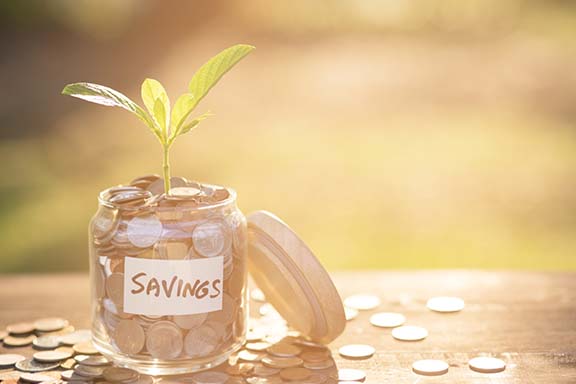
column 200, row 341
column 129, row 336
column 209, row 238
column 190, row 321
column 164, row 340
column 144, row 231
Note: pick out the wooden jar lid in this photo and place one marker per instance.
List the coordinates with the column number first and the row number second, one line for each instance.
column 293, row 279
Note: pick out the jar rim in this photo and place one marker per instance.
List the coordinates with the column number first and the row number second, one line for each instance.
column 231, row 199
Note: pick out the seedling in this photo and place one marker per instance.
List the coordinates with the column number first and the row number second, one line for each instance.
column 166, row 123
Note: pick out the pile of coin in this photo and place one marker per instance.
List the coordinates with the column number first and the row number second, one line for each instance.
column 193, row 221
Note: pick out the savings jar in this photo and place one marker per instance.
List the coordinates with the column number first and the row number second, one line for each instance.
column 169, row 276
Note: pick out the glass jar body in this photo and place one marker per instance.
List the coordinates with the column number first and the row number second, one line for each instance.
column 168, row 280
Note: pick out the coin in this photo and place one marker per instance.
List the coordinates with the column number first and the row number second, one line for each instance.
column 144, row 231
column 250, row 356
column 209, row 238
column 295, row 374
column 123, row 375
column 316, row 378
column 356, row 351
column 128, row 336
column 282, row 362
column 208, row 377
column 184, row 192
column 264, row 380
column 96, row 361
column 171, row 250
column 316, row 355
column 46, row 342
column 445, row 304
column 81, row 358
column 85, row 348
column 51, row 356
column 409, row 333
column 36, row 378
column 487, row 365
column 68, row 364
column 9, row 359
column 347, row 374
column 164, row 340
column 239, row 369
column 76, row 337
column 12, row 341
column 200, row 341
column 430, row 367
column 350, row 313
column 190, row 321
column 115, row 289
column 50, row 324
column 283, row 350
column 88, row 371
column 362, row 302
column 20, row 328
column 262, row 370
column 322, row 364
column 257, row 346
column 387, row 319
column 30, row 365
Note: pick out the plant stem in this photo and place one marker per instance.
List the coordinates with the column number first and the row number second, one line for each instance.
column 166, row 169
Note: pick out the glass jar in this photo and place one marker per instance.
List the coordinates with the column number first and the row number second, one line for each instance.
column 168, row 276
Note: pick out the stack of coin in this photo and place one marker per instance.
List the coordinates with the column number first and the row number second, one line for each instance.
column 193, row 221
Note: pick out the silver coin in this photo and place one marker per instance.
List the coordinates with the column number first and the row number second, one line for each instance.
column 209, row 238
column 46, row 342
column 31, row 365
column 347, row 374
column 387, row 319
column 356, row 351
column 9, row 359
column 36, row 378
column 430, row 367
column 144, row 231
column 445, row 304
column 409, row 333
column 487, row 365
column 164, row 340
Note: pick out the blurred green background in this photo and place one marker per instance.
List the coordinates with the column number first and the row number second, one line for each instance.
column 389, row 134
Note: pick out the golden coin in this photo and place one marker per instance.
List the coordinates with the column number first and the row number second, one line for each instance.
column 85, row 348
column 319, row 364
column 430, row 367
column 487, row 365
column 362, row 302
column 51, row 356
column 20, row 328
column 283, row 350
column 129, row 337
column 445, row 304
column 210, row 377
column 13, row 341
column 250, row 356
column 50, row 324
column 295, row 374
column 257, row 346
column 68, row 364
column 409, row 333
column 164, row 340
column 387, row 319
column 115, row 289
column 319, row 378
column 123, row 375
column 282, row 362
column 9, row 359
column 316, row 355
column 262, row 370
column 356, row 351
column 184, row 192
column 239, row 369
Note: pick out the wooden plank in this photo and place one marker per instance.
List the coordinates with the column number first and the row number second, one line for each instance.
column 526, row 318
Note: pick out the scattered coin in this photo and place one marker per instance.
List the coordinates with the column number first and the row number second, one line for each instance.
column 250, row 356
column 79, row 336
column 88, row 371
column 409, row 333
column 50, row 324
column 323, row 364
column 347, row 374
column 46, row 342
column 295, row 374
column 9, row 359
column 316, row 355
column 31, row 365
column 36, row 378
column 13, row 341
column 96, row 361
column 445, row 304
column 240, row 369
column 282, row 362
column 283, row 350
column 51, row 356
column 20, row 328
column 68, row 364
column 387, row 319
column 430, row 367
column 262, row 370
column 350, row 313
column 356, row 351
column 487, row 365
column 257, row 346
column 85, row 348
column 81, row 358
column 123, row 375
column 362, row 302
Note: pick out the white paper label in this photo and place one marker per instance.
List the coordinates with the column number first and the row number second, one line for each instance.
column 172, row 287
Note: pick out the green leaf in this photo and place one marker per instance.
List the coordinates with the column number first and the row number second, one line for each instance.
column 160, row 115
column 109, row 97
column 151, row 91
column 211, row 72
column 191, row 125
column 182, row 109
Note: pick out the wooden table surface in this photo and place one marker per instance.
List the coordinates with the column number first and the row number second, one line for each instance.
column 527, row 319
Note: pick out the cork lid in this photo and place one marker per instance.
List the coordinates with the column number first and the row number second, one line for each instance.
column 293, row 279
